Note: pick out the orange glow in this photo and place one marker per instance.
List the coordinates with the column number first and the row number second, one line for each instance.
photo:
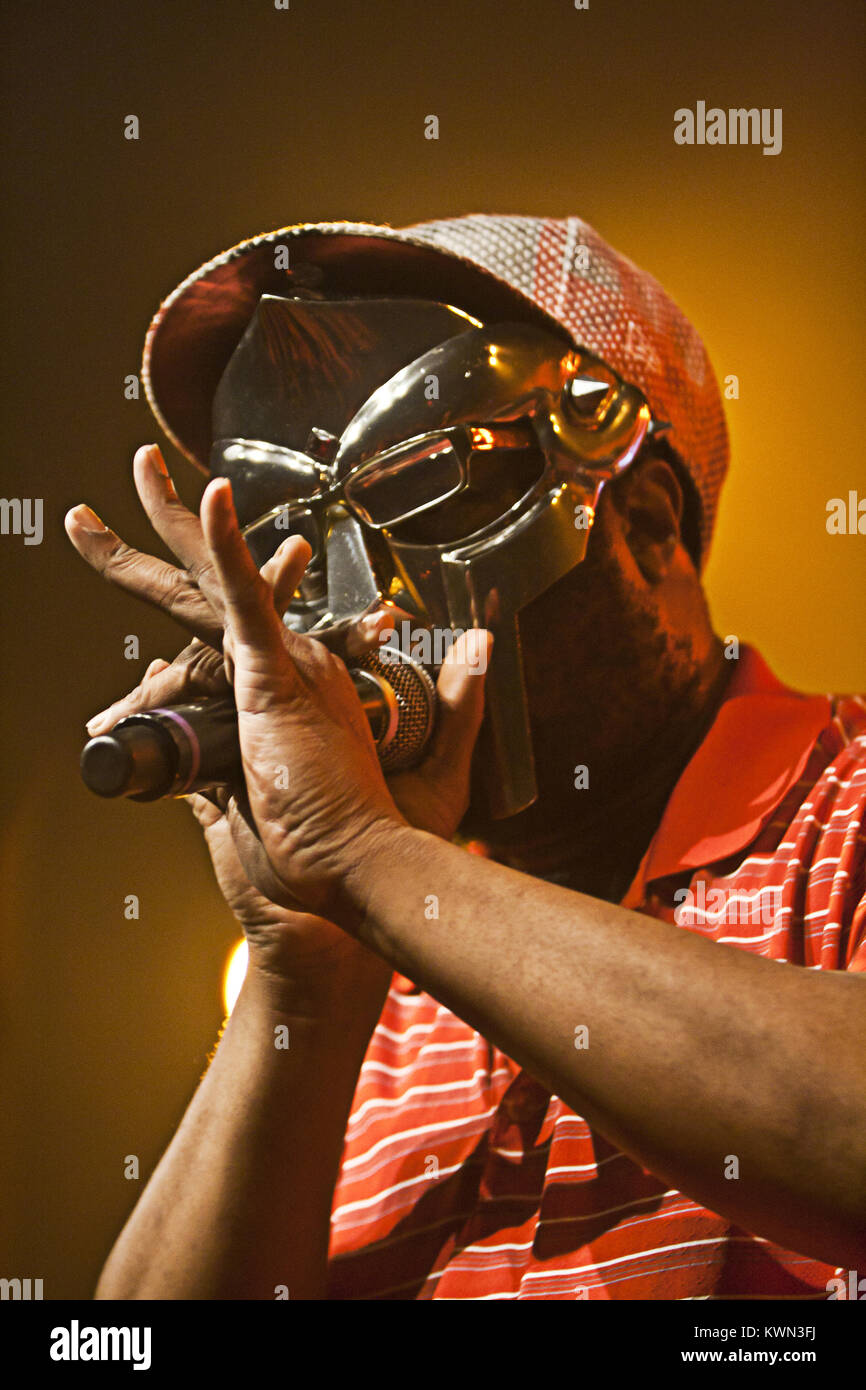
column 482, row 439
column 504, row 436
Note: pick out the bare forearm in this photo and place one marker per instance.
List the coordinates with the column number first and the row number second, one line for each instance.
column 240, row 1202
column 694, row 1053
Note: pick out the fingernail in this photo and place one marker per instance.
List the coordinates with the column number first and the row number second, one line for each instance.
column 153, row 455
column 370, row 625
column 222, row 488
column 161, row 467
column 96, row 724
column 86, row 517
column 157, row 459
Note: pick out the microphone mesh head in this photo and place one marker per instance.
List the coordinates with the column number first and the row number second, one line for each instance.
column 415, row 696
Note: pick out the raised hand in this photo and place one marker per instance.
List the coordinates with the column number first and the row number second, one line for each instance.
column 218, row 578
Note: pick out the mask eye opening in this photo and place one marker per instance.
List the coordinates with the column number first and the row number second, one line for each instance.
column 498, row 480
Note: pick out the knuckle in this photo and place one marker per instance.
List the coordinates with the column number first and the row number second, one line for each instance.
column 205, row 662
column 196, row 667
column 118, row 560
column 201, row 571
column 179, row 588
column 129, row 704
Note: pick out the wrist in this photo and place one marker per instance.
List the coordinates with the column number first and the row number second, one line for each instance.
column 393, row 848
column 347, row 982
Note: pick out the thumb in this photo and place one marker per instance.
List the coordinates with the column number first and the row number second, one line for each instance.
column 460, row 710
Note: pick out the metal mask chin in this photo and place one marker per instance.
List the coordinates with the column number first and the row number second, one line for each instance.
column 444, row 466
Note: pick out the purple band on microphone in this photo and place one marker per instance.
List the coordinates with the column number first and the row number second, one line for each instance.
column 195, row 749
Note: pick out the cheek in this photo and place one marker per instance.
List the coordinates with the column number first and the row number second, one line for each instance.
column 564, row 638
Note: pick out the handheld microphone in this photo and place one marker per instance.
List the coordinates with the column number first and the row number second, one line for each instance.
column 178, row 749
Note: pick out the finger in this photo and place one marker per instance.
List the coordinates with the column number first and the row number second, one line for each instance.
column 205, row 808
column 147, row 577
column 384, row 626
column 285, row 570
column 367, row 632
column 249, row 606
column 198, row 670
column 354, row 637
column 173, row 522
column 155, row 666
column 460, row 706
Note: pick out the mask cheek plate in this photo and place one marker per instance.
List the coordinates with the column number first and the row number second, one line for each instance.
column 486, row 583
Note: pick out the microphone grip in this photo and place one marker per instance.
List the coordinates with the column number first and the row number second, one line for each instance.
column 165, row 752
column 177, row 749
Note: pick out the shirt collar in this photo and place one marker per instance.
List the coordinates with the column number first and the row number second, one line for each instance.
column 755, row 750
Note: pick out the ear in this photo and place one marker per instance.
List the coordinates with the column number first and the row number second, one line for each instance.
column 649, row 500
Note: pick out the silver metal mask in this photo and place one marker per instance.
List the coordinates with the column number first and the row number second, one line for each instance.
column 449, row 468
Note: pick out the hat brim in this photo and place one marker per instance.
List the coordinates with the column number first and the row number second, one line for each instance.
column 196, row 329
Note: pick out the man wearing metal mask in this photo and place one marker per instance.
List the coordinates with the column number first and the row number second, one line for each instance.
column 585, row 1059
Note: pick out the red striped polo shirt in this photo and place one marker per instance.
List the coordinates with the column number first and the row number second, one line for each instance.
column 462, row 1178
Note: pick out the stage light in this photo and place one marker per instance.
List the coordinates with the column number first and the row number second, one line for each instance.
column 233, row 975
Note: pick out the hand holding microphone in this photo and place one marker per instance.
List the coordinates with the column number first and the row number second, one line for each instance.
column 192, row 742
column 177, row 749
column 149, row 745
column 318, row 729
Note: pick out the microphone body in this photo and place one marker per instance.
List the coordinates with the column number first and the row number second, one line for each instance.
column 177, row 749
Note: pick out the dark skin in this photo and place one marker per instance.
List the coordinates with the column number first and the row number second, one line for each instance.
column 698, row 1051
column 636, row 606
